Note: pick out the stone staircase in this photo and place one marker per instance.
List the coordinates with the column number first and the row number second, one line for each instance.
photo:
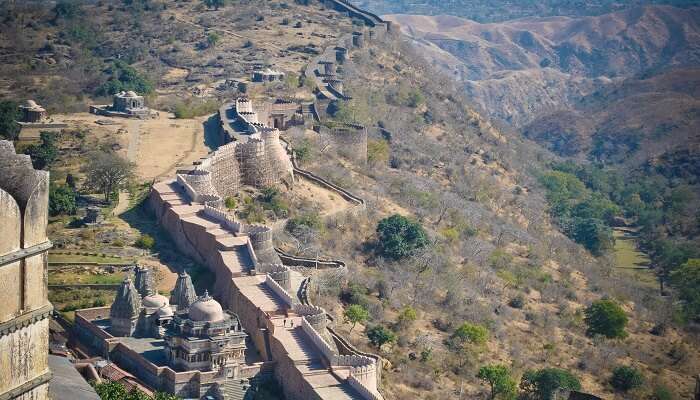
column 233, row 389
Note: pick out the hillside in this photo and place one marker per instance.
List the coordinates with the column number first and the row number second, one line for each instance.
column 491, row 257
column 504, row 10
column 541, row 74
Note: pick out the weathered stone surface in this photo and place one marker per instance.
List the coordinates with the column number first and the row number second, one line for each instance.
column 24, row 306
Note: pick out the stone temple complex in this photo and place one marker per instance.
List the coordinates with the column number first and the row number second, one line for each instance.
column 24, row 306
column 125, row 104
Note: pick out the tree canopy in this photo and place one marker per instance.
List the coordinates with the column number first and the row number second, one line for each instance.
column 686, row 280
column 379, row 335
column 543, row 383
column 607, row 318
column 626, row 378
column 400, row 236
column 499, row 379
column 356, row 314
column 108, row 173
column 62, row 200
column 45, row 153
column 9, row 114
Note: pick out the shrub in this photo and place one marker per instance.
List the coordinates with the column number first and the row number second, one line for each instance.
column 407, row 316
column 399, row 236
column 625, row 378
column 607, row 318
column 542, row 384
column 470, row 333
column 44, row 153
column 230, row 203
column 62, row 200
column 661, row 392
column 379, row 335
column 145, row 241
column 517, row 302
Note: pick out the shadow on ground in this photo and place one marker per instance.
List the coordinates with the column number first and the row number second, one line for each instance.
column 212, row 137
column 165, row 250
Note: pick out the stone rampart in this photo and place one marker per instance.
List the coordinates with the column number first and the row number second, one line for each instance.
column 24, row 305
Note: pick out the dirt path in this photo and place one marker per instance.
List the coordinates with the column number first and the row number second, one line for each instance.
column 123, row 204
column 134, row 128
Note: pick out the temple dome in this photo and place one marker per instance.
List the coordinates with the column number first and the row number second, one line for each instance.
column 206, row 309
column 155, row 301
column 165, row 311
column 130, row 93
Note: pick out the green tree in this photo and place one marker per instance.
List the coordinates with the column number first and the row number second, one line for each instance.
column 400, row 236
column 468, row 333
column 122, row 76
column 686, row 280
column 467, row 340
column 625, row 378
column 62, row 200
column 45, row 153
column 379, row 335
column 593, row 234
column 500, row 381
column 108, row 173
column 543, row 383
column 9, row 115
column 607, row 318
column 355, row 314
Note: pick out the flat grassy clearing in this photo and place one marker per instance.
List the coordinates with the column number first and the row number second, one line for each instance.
column 629, row 260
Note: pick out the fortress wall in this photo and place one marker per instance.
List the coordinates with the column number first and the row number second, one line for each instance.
column 293, row 383
column 350, row 140
column 249, row 315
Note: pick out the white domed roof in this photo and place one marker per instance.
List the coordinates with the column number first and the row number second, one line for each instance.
column 155, row 300
column 206, row 309
column 130, row 93
column 165, row 311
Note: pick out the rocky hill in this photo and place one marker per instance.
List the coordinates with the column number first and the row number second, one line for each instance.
column 541, row 74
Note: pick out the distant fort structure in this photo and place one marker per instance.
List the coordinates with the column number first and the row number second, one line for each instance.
column 286, row 337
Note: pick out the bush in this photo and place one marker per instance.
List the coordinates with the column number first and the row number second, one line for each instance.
column 230, row 203
column 517, row 302
column 398, row 236
column 9, row 113
column 62, row 200
column 471, row 333
column 542, row 384
column 607, row 318
column 625, row 378
column 379, row 335
column 45, row 153
column 661, row 392
column 145, row 241
column 191, row 109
